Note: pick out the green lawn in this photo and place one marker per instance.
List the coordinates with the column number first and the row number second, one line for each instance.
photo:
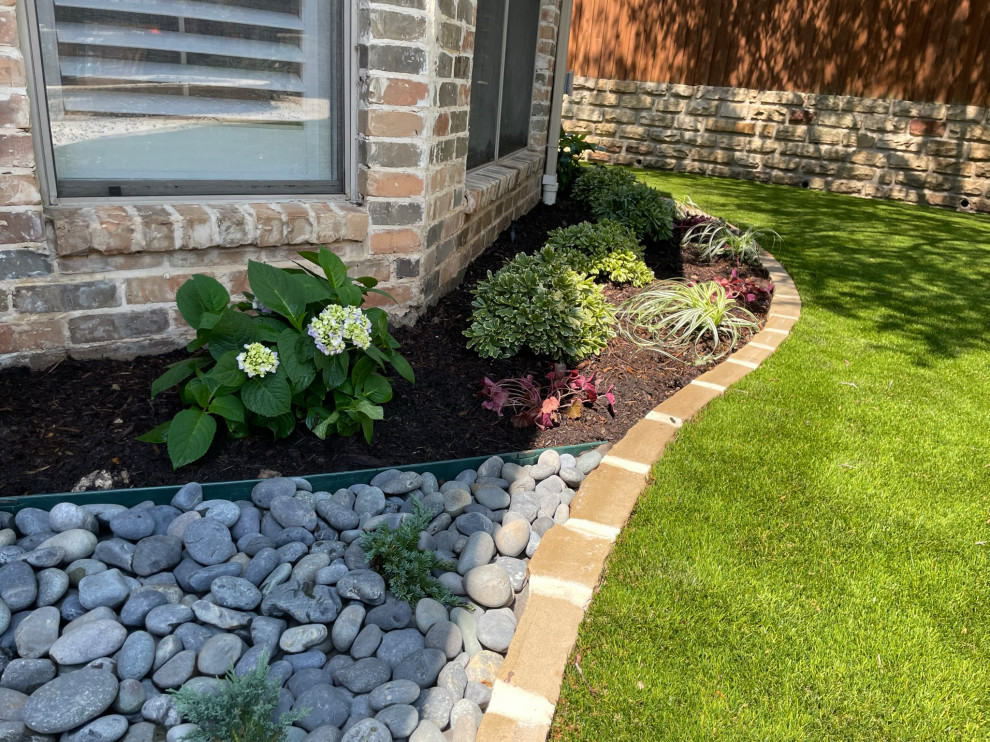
column 810, row 560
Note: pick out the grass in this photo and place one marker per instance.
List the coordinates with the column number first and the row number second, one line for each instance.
column 810, row 562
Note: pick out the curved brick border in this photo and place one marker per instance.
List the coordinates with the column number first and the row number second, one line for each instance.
column 568, row 565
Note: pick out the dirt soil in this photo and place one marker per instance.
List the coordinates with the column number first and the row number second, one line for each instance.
column 63, row 423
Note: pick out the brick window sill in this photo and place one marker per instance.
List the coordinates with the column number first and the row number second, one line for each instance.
column 491, row 182
column 132, row 228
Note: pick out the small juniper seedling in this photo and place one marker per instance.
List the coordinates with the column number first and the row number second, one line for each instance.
column 241, row 711
column 407, row 569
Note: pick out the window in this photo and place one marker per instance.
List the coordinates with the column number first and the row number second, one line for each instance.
column 193, row 97
column 502, row 78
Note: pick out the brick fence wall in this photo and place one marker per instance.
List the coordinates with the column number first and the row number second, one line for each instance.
column 99, row 280
column 926, row 153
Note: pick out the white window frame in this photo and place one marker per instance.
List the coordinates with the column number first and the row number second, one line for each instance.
column 30, row 42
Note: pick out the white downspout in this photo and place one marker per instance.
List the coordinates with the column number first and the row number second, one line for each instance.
column 557, row 103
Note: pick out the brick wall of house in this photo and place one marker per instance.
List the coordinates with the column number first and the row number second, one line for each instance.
column 926, row 153
column 100, row 280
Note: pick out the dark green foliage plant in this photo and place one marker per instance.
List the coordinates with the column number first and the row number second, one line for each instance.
column 569, row 150
column 538, row 302
column 241, row 711
column 407, row 569
column 644, row 210
column 607, row 249
column 301, row 349
column 593, row 181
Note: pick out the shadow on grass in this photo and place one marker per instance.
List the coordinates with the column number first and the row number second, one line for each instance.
column 912, row 274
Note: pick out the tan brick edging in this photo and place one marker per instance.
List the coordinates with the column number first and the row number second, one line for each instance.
column 567, row 567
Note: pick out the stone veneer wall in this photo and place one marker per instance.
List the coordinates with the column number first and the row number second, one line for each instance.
column 99, row 280
column 927, row 153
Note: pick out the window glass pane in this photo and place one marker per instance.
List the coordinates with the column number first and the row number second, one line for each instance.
column 485, row 77
column 161, row 97
column 517, row 81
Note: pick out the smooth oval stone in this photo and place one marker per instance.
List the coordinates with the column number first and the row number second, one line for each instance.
column 393, row 693
column 161, row 710
column 265, row 632
column 67, row 515
column 331, row 574
column 37, row 632
column 178, row 526
column 32, row 520
column 422, row 667
column 368, row 730
column 221, row 617
column 70, row 701
column 468, row 523
column 312, row 658
column 188, row 496
column 193, row 635
column 435, row 704
column 264, row 561
column 366, row 642
column 131, row 696
column 307, row 678
column 467, row 622
column 18, row 586
column 108, row 588
column 512, row 537
column 136, row 656
column 496, row 628
column 77, row 543
column 455, row 500
column 248, row 522
column 479, row 550
column 292, row 512
column 401, row 719
column 338, row 516
column 219, row 653
column 84, row 568
column 11, row 703
column 104, row 729
column 397, row 645
column 428, row 612
column 572, row 476
column 52, row 585
column 27, row 675
column 307, row 567
column 208, row 541
column 588, row 461
column 488, row 586
column 133, row 524
column 201, row 580
column 42, row 558
column 364, row 585
column 453, row 582
column 235, row 592
column 301, row 638
column 394, row 614
column 293, row 544
column 483, row 668
column 265, row 491
column 162, row 620
column 493, row 498
column 176, row 671
column 445, row 636
column 115, row 552
column 96, row 639
column 278, row 576
column 221, row 510
column 364, row 675
column 156, row 553
column 516, row 569
column 326, row 705
column 166, row 649
column 347, row 626
column 134, row 612
column 453, row 678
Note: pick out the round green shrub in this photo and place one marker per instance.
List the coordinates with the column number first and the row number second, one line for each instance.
column 538, row 302
column 606, row 248
column 593, row 181
column 641, row 208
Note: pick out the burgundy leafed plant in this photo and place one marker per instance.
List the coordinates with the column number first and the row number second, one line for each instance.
column 747, row 289
column 530, row 402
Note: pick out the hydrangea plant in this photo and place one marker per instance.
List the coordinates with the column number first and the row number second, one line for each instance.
column 301, row 348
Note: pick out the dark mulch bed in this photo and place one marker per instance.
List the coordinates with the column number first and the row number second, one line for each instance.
column 61, row 424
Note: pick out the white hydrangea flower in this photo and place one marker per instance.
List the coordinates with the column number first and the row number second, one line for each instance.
column 257, row 360
column 335, row 325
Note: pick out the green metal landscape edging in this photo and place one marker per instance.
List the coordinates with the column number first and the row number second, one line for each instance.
column 241, row 490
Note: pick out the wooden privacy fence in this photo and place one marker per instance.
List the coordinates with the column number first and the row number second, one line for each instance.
column 920, row 50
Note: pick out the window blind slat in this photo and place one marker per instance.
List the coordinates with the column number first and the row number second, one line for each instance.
column 81, row 100
column 179, row 74
column 98, row 35
column 190, row 9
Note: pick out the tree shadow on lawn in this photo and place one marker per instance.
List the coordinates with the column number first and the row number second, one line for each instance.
column 915, row 274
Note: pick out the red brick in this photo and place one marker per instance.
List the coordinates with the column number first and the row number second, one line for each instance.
column 153, row 289
column 394, row 185
column 16, row 150
column 19, row 190
column 197, row 226
column 400, row 92
column 271, row 226
column 156, row 224
column 395, row 241
column 15, row 112
column 393, row 124
column 299, row 224
column 20, row 226
column 115, row 232
column 12, row 71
